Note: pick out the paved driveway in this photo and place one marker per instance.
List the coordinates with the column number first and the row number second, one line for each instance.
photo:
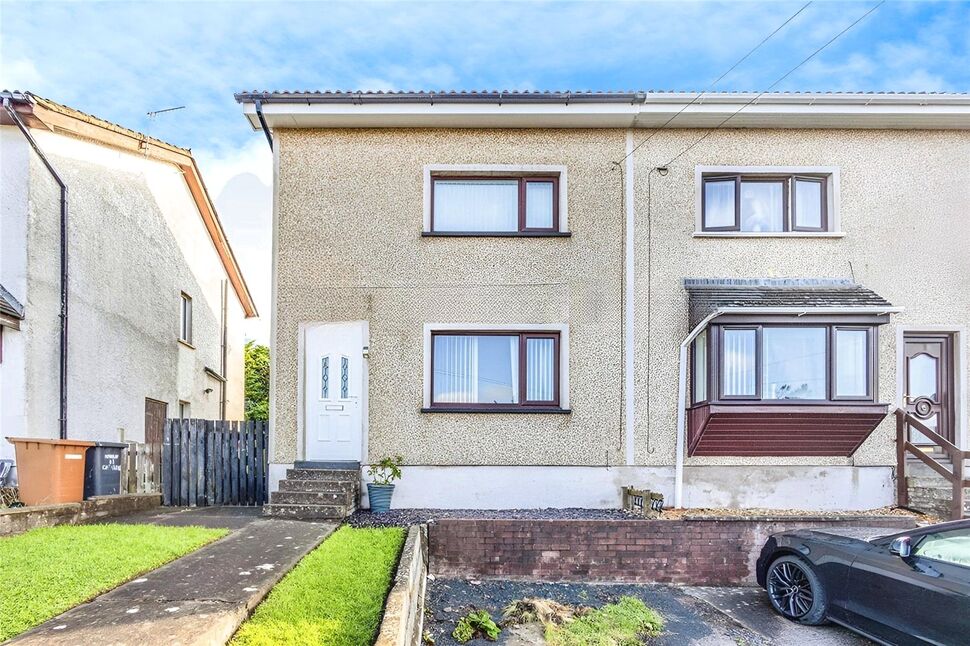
column 750, row 608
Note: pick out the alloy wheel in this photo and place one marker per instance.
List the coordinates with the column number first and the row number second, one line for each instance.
column 790, row 590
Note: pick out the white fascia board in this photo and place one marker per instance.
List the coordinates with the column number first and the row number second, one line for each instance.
column 802, row 111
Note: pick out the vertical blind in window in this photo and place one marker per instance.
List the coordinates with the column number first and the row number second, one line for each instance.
column 738, row 375
column 476, row 205
column 719, row 204
column 538, row 205
column 540, row 369
column 851, row 363
column 476, row 369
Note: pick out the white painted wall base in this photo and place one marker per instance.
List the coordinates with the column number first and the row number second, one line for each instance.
column 827, row 488
column 277, row 472
column 812, row 488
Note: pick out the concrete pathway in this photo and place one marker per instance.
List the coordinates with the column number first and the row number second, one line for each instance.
column 750, row 608
column 198, row 599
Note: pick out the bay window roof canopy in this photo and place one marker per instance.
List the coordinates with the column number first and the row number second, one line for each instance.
column 782, row 367
column 793, row 296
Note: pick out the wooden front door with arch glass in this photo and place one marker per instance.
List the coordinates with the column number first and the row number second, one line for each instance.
column 334, row 386
column 928, row 383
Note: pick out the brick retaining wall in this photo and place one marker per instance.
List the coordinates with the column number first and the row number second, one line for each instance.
column 710, row 551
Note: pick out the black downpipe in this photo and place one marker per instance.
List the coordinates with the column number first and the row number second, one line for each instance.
column 262, row 122
column 64, row 275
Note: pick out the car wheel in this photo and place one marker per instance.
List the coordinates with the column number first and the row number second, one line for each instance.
column 796, row 592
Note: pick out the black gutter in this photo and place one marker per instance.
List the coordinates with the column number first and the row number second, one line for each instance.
column 262, row 123
column 64, row 275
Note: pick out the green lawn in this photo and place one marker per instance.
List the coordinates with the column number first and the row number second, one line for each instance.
column 334, row 596
column 47, row 571
column 624, row 623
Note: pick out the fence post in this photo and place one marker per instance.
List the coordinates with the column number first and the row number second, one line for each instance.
column 166, row 474
column 902, row 491
column 956, row 502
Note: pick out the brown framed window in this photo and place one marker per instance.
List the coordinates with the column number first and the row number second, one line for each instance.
column 788, row 363
column 494, row 370
column 764, row 203
column 483, row 205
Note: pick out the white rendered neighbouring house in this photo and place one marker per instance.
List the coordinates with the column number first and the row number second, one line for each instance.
column 536, row 298
column 155, row 299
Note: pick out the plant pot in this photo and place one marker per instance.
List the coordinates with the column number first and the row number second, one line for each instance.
column 380, row 497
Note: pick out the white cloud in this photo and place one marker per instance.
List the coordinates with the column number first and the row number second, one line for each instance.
column 19, row 73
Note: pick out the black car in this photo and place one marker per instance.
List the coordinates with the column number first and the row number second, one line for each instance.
column 912, row 587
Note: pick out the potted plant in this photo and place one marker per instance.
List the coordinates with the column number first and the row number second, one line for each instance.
column 384, row 473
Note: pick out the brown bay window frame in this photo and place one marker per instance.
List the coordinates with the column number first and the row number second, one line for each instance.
column 789, row 189
column 522, row 230
column 714, row 351
column 523, row 405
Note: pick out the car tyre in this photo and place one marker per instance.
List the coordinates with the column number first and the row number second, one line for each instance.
column 795, row 591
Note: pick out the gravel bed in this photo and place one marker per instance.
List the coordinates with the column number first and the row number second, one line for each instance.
column 405, row 517
column 687, row 620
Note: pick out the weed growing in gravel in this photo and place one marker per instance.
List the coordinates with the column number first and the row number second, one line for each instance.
column 618, row 624
column 474, row 624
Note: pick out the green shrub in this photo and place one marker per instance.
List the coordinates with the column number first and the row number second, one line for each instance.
column 474, row 624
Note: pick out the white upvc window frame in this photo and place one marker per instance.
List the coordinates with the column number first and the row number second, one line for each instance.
column 499, row 170
column 561, row 328
column 832, row 187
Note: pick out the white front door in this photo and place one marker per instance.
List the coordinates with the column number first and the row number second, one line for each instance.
column 334, row 388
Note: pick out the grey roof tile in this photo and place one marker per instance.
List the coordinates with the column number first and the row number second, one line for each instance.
column 706, row 295
column 10, row 306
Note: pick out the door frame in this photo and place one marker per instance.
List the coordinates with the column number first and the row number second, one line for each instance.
column 303, row 328
column 959, row 334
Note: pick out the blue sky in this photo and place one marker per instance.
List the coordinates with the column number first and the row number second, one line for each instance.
column 121, row 60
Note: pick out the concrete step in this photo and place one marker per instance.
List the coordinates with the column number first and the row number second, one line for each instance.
column 344, row 498
column 308, row 512
column 321, row 486
column 345, row 475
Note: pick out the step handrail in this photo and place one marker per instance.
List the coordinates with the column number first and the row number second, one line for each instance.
column 905, row 419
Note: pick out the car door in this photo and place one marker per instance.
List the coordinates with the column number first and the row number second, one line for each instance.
column 922, row 598
column 945, row 558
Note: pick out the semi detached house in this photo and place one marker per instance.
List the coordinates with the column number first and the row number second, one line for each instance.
column 536, row 298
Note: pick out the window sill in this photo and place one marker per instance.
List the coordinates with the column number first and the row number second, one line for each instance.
column 531, row 410
column 496, row 234
column 769, row 234
column 186, row 344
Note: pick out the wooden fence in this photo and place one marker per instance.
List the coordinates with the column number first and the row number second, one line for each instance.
column 207, row 462
column 141, row 470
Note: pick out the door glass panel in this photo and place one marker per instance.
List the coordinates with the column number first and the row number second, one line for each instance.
column 538, row 205
column 344, row 377
column 762, row 206
column 931, row 422
column 923, row 376
column 540, row 365
column 470, row 369
column 808, row 204
column 794, row 363
column 325, row 378
column 719, row 204
column 738, row 372
column 851, row 367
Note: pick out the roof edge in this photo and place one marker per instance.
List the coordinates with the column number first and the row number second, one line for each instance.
column 40, row 112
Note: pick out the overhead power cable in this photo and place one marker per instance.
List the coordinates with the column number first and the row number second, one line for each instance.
column 773, row 85
column 717, row 80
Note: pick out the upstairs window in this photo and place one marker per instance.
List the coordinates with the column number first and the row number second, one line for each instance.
column 511, row 205
column 765, row 203
column 185, row 318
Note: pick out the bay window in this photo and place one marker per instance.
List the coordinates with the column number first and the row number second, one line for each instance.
column 494, row 370
column 784, row 363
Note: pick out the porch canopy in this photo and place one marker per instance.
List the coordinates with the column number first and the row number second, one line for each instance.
column 11, row 311
column 782, row 366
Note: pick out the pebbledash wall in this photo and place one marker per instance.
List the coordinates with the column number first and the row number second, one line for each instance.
column 348, row 246
column 136, row 241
